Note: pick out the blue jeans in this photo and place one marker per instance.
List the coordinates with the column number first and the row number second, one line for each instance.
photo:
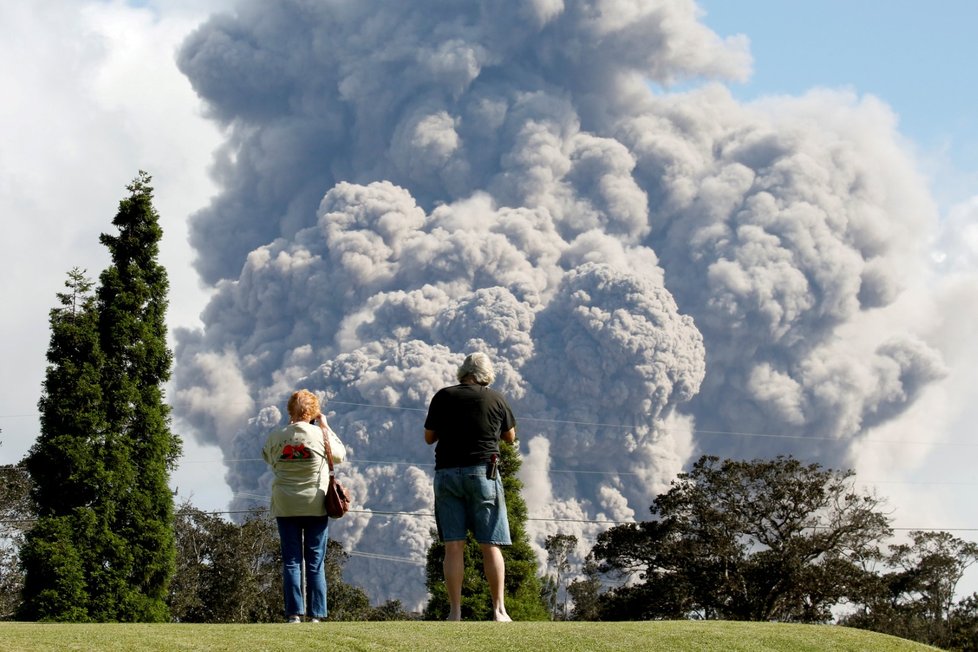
column 304, row 539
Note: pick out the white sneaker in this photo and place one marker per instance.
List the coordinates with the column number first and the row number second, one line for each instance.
column 295, row 620
column 314, row 620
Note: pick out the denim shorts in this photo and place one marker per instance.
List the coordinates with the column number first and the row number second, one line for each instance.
column 466, row 500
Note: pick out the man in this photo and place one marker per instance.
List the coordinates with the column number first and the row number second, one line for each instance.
column 467, row 421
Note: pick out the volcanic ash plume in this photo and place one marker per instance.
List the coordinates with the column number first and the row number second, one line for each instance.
column 404, row 183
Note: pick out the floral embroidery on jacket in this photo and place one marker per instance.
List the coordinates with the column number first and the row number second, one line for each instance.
column 297, row 452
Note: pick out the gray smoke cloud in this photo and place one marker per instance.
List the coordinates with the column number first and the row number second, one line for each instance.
column 403, row 183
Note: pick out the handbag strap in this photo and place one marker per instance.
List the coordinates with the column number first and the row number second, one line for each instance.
column 329, row 451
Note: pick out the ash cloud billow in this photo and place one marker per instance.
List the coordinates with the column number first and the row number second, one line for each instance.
column 406, row 182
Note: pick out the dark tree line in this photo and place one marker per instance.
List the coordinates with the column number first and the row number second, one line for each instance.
column 778, row 540
column 914, row 597
column 790, row 552
column 224, row 572
column 232, row 573
column 763, row 540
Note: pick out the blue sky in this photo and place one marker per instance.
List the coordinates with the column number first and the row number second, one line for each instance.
column 917, row 57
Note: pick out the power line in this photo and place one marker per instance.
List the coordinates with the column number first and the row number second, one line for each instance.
column 357, row 462
column 856, row 479
column 374, row 555
column 376, row 405
column 371, row 512
column 697, row 431
column 377, row 512
column 550, row 519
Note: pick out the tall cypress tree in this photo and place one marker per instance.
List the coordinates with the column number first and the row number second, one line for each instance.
column 140, row 451
column 64, row 462
column 102, row 462
column 524, row 599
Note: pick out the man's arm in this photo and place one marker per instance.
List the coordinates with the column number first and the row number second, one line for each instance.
column 509, row 436
column 430, row 437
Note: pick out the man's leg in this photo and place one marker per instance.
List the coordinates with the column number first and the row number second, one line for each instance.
column 495, row 568
column 454, row 572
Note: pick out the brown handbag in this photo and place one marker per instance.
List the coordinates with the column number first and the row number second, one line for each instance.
column 337, row 498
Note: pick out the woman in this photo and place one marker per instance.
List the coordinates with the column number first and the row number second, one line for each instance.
column 296, row 454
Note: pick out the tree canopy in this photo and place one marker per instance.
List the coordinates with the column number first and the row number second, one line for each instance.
column 760, row 540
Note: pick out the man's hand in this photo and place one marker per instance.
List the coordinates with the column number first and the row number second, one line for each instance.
column 430, row 437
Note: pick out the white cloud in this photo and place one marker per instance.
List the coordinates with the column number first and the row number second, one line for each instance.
column 93, row 96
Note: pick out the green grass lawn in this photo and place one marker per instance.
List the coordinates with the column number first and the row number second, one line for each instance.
column 449, row 637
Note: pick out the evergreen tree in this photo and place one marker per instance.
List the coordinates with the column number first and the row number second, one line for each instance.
column 524, row 599
column 64, row 464
column 140, row 451
column 102, row 462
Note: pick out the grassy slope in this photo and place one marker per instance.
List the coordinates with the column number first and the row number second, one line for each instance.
column 448, row 637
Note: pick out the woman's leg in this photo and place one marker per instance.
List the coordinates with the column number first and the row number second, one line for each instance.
column 317, row 536
column 290, row 534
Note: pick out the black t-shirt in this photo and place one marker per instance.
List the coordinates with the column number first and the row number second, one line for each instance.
column 468, row 420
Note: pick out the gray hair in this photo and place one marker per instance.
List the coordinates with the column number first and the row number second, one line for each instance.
column 479, row 366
